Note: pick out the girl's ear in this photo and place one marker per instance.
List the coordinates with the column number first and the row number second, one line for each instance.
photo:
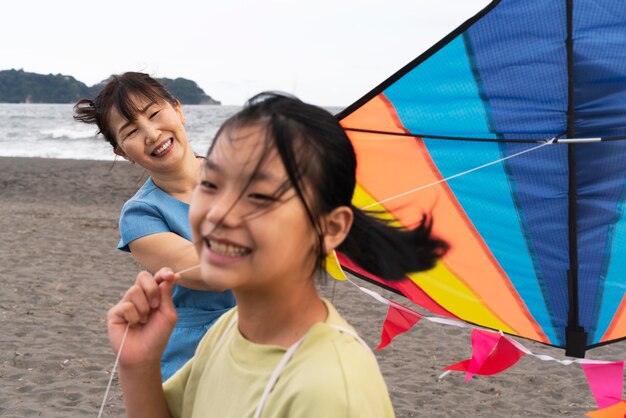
column 179, row 111
column 337, row 225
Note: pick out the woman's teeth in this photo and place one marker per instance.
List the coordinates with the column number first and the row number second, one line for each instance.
column 227, row 249
column 162, row 148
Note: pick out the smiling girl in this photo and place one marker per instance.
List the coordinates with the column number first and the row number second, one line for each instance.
column 274, row 198
column 145, row 125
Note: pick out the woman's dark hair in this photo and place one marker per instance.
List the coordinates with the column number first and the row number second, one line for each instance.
column 120, row 91
column 319, row 158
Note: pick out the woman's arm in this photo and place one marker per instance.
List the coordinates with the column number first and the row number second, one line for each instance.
column 167, row 249
column 146, row 313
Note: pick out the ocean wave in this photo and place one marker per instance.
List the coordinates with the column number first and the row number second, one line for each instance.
column 68, row 133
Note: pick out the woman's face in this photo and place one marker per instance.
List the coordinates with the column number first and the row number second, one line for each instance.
column 249, row 236
column 156, row 139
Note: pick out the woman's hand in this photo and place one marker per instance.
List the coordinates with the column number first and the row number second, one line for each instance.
column 148, row 309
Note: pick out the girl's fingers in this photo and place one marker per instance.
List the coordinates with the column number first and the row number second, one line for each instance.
column 147, row 294
column 137, row 296
column 167, row 304
column 150, row 287
column 130, row 313
column 123, row 313
column 166, row 274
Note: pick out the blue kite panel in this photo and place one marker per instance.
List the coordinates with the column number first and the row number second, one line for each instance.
column 539, row 185
column 599, row 68
column 439, row 96
column 600, row 176
column 521, row 65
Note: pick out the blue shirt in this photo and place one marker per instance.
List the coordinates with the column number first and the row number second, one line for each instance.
column 149, row 212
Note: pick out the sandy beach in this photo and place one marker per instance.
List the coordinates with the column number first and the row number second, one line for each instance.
column 61, row 273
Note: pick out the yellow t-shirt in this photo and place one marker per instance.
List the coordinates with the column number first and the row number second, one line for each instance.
column 330, row 375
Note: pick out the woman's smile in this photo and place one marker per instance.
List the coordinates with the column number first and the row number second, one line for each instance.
column 163, row 148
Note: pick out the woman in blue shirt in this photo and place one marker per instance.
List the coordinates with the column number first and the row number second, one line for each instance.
column 144, row 124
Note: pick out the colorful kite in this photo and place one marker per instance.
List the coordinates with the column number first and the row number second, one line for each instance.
column 509, row 133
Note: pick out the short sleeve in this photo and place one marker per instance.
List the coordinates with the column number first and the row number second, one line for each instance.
column 139, row 219
column 174, row 389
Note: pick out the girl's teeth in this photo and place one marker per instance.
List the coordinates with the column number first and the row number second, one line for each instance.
column 229, row 250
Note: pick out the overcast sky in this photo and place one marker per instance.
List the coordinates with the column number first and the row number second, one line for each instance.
column 326, row 52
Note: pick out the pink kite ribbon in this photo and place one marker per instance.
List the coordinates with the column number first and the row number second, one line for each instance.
column 492, row 353
column 399, row 319
column 606, row 381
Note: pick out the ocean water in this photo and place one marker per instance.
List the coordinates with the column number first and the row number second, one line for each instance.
column 49, row 131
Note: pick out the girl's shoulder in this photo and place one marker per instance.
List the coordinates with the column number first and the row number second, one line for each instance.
column 335, row 365
column 335, row 345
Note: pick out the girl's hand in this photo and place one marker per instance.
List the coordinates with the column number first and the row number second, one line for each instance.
column 147, row 307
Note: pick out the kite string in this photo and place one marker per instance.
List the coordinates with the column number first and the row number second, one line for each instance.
column 117, row 359
column 551, row 141
column 119, row 353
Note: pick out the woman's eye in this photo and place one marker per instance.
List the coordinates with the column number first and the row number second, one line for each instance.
column 153, row 115
column 131, row 133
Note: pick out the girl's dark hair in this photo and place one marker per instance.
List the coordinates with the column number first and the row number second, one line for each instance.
column 120, row 91
column 319, row 158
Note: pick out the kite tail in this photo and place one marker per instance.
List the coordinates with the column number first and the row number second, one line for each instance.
column 391, row 252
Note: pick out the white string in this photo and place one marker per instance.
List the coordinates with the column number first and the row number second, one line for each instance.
column 275, row 375
column 117, row 359
column 458, row 174
column 119, row 354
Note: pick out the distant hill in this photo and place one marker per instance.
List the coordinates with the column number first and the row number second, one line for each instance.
column 19, row 86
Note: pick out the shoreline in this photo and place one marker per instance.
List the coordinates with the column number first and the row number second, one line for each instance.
column 62, row 272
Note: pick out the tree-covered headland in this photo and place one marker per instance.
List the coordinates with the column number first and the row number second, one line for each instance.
column 19, row 86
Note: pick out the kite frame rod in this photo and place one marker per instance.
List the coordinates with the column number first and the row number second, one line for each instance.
column 446, row 138
column 556, row 139
column 577, row 140
column 575, row 335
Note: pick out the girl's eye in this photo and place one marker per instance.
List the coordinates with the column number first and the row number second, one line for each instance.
column 153, row 115
column 207, row 185
column 263, row 198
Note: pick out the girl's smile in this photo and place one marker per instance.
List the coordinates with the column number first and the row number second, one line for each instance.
column 249, row 231
column 223, row 252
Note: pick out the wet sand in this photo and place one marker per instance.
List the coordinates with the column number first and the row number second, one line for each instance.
column 61, row 273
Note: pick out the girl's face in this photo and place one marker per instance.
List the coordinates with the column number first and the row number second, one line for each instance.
column 155, row 139
column 248, row 235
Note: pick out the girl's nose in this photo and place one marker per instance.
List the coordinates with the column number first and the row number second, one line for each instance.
column 225, row 211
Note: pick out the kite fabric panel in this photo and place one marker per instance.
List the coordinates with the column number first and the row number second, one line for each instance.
column 477, row 133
